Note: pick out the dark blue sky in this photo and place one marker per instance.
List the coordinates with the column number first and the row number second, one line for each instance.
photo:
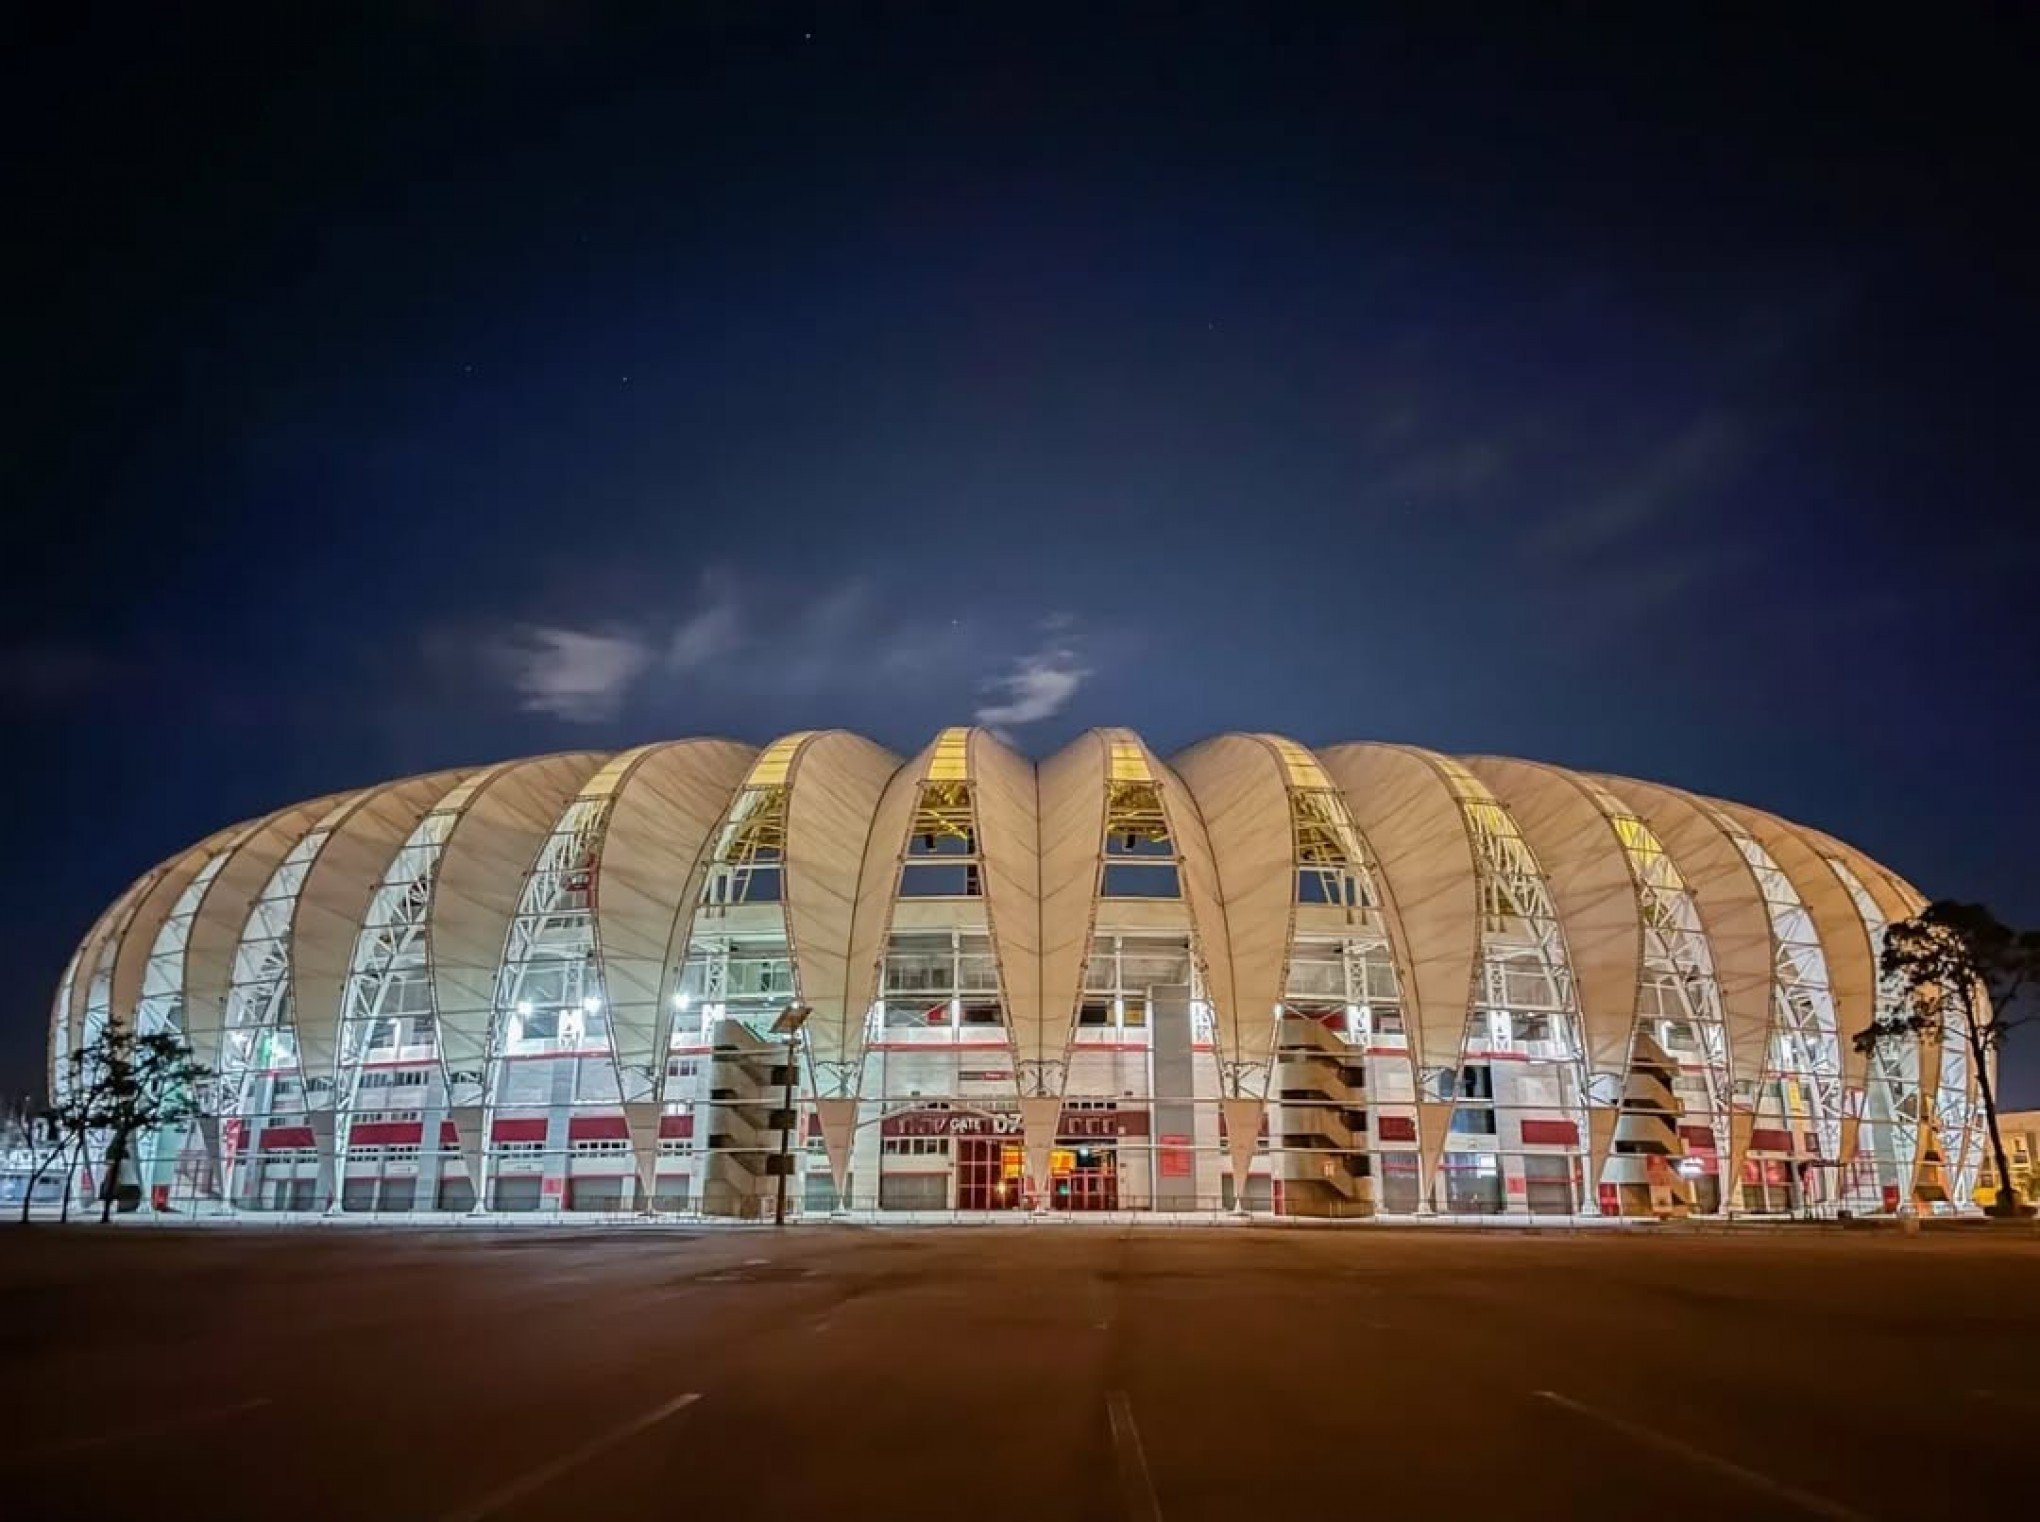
column 466, row 381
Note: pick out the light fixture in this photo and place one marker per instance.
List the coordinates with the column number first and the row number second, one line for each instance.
column 524, row 1006
column 682, row 1001
column 590, row 1003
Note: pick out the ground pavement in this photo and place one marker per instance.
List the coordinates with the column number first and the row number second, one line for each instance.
column 1041, row 1373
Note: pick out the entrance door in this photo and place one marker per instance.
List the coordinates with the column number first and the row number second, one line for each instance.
column 517, row 1193
column 1086, row 1178
column 990, row 1174
column 1473, row 1185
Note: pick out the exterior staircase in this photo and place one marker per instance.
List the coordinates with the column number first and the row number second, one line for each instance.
column 1320, row 1121
column 746, row 1084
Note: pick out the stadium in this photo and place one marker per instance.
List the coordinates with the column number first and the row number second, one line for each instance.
column 1364, row 981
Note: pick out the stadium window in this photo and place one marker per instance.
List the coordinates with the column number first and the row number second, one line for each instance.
column 935, row 877
column 1140, row 879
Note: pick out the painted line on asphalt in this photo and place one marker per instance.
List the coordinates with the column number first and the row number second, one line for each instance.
column 1806, row 1501
column 536, row 1479
column 1101, row 1306
column 1136, row 1485
column 91, row 1440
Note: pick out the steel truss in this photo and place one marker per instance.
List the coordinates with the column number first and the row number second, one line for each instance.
column 1523, row 997
column 1801, row 1079
column 550, row 1000
column 1678, row 1006
column 258, row 1045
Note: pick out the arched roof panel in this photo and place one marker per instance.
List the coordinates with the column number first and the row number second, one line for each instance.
column 487, row 856
column 138, row 941
column 98, row 946
column 1072, row 822
column 1242, row 792
column 651, row 861
column 1412, row 820
column 1209, row 934
column 1732, row 912
column 222, row 917
column 1845, row 940
column 834, row 783
column 878, row 884
column 1593, row 889
column 326, row 920
column 1007, row 806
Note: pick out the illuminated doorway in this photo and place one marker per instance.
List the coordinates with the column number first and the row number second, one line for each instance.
column 990, row 1174
column 1084, row 1177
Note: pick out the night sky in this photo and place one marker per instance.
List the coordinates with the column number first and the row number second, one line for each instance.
column 466, row 381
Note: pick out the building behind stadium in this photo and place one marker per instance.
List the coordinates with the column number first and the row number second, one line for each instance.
column 1366, row 980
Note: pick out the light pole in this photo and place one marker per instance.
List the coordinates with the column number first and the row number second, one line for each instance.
column 788, row 1024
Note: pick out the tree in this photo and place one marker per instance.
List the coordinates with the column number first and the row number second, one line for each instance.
column 120, row 1085
column 1963, row 974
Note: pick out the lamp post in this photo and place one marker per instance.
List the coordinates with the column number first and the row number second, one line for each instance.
column 788, row 1024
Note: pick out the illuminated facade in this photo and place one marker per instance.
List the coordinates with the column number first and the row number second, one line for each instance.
column 1369, row 980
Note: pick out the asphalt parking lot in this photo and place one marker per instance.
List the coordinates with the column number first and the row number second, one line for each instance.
column 1039, row 1373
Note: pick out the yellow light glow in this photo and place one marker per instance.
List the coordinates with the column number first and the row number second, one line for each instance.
column 776, row 760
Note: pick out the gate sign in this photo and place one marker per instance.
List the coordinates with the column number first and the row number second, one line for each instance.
column 1074, row 1125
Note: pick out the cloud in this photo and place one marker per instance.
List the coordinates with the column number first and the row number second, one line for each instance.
column 706, row 636
column 1651, row 491
column 1041, row 683
column 759, row 640
column 579, row 676
column 1459, row 470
